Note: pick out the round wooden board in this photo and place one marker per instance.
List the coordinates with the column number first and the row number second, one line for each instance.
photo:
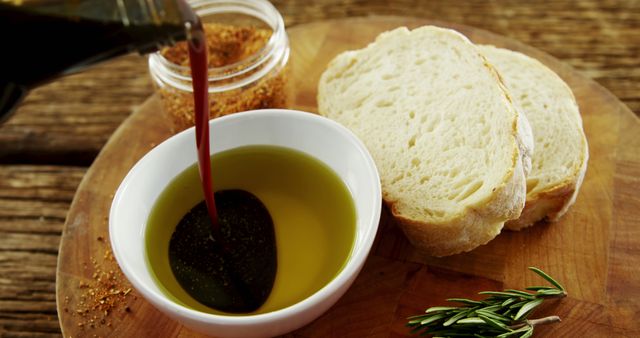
column 593, row 250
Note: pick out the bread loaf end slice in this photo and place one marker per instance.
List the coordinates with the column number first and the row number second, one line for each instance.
column 560, row 160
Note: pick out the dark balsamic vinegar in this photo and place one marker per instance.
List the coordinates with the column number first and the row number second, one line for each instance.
column 314, row 220
column 200, row 79
column 233, row 269
column 225, row 260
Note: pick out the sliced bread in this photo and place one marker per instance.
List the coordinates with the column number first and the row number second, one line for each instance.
column 560, row 160
column 447, row 142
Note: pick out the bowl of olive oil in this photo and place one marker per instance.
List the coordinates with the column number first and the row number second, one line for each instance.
column 313, row 181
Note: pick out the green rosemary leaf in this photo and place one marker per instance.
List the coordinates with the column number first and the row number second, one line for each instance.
column 528, row 334
column 481, row 336
column 507, row 334
column 415, row 317
column 465, row 301
column 415, row 320
column 546, row 277
column 495, row 294
column 494, row 316
column 501, row 314
column 551, row 292
column 508, row 302
column 524, row 294
column 527, row 308
column 504, row 294
column 514, row 332
column 472, row 320
column 494, row 323
column 536, row 288
column 455, row 318
column 440, row 309
column 491, row 308
column 433, row 318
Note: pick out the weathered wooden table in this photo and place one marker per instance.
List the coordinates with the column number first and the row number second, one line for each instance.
column 48, row 145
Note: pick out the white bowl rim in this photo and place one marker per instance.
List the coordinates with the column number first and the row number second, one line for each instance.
column 350, row 269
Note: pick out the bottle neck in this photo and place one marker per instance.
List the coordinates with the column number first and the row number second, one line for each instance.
column 53, row 38
column 165, row 18
column 89, row 31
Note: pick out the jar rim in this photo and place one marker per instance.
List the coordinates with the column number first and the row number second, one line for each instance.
column 268, row 56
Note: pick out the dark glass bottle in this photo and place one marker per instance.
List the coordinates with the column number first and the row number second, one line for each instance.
column 43, row 39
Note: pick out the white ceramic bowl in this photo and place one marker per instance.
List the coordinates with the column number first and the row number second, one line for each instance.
column 319, row 137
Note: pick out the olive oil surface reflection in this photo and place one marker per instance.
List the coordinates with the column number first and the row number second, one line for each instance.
column 312, row 211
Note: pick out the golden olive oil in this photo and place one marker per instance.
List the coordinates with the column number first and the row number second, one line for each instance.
column 311, row 208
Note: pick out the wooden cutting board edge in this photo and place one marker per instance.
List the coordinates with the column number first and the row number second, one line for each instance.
column 79, row 223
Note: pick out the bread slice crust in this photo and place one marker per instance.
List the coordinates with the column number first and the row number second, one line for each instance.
column 552, row 203
column 551, row 199
column 475, row 226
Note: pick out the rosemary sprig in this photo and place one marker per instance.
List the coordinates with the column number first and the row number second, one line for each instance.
column 502, row 314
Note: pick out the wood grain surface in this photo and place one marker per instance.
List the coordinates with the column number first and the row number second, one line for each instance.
column 593, row 250
column 46, row 147
column 68, row 121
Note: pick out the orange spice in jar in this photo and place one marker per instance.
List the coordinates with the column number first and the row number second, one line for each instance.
column 248, row 55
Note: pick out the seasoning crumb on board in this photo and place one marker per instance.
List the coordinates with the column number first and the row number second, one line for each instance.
column 105, row 293
column 227, row 45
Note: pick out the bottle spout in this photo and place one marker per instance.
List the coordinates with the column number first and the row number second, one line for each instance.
column 171, row 19
column 187, row 14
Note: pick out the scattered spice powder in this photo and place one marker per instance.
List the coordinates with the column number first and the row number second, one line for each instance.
column 227, row 45
column 105, row 293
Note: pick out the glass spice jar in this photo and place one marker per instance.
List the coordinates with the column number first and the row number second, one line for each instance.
column 248, row 56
